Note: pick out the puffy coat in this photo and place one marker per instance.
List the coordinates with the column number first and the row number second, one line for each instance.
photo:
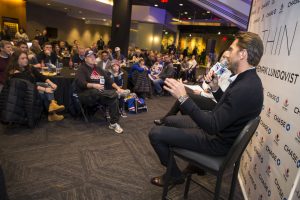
column 20, row 103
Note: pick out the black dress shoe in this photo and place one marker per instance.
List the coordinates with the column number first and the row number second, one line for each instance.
column 158, row 122
column 160, row 180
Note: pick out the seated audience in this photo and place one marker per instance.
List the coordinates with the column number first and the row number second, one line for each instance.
column 213, row 132
column 138, row 79
column 21, row 35
column 5, row 52
column 191, row 73
column 78, row 57
column 32, row 60
column 47, row 56
column 19, row 68
column 167, row 72
column 117, row 55
column 35, row 48
column 94, row 87
column 118, row 78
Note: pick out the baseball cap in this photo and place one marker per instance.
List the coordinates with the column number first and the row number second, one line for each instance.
column 115, row 62
column 117, row 49
column 88, row 53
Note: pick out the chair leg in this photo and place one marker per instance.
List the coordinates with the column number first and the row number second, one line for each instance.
column 187, row 186
column 168, row 176
column 234, row 179
column 83, row 113
column 218, row 186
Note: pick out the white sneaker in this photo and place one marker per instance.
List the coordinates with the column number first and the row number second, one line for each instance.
column 116, row 127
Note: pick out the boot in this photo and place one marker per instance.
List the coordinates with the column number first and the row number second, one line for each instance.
column 55, row 117
column 55, row 107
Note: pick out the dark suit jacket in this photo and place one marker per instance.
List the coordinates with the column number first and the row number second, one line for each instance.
column 241, row 102
column 167, row 72
column 107, row 67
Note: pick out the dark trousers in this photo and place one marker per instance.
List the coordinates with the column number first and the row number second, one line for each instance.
column 93, row 97
column 182, row 132
column 202, row 102
column 3, row 194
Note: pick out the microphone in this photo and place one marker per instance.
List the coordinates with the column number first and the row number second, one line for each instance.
column 218, row 69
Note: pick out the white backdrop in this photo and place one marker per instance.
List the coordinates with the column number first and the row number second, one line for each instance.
column 270, row 165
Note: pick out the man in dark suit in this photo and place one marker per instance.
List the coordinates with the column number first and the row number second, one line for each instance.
column 105, row 63
column 213, row 132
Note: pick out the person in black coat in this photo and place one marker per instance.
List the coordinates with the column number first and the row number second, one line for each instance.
column 19, row 68
column 213, row 132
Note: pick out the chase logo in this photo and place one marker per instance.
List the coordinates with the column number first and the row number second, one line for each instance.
column 297, row 110
column 273, row 97
column 266, row 127
column 285, row 105
column 292, row 154
column 282, row 123
column 273, row 155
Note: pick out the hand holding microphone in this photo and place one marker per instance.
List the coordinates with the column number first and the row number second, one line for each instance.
column 212, row 80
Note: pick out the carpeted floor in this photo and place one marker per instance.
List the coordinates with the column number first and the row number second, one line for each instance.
column 72, row 160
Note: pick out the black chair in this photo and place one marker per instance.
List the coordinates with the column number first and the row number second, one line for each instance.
column 213, row 164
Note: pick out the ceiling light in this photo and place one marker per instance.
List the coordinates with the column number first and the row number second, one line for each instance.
column 110, row 2
column 208, row 11
column 66, row 8
column 180, row 4
column 166, row 33
column 83, row 18
column 48, row 4
column 189, row 18
column 219, row 33
column 104, row 20
column 190, row 35
column 155, row 5
column 185, row 12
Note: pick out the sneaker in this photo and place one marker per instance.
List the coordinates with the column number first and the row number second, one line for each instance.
column 116, row 127
column 123, row 114
column 55, row 117
column 54, row 107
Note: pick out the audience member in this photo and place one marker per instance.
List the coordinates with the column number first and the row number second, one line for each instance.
column 21, row 35
column 19, row 68
column 5, row 52
column 94, row 86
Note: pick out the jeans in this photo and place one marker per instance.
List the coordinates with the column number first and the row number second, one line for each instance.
column 46, row 97
column 157, row 85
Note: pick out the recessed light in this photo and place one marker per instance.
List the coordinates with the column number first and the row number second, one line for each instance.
column 185, row 12
column 219, row 33
column 48, row 4
column 104, row 20
column 66, row 8
column 83, row 18
column 190, row 35
column 166, row 33
column 180, row 4
column 189, row 18
column 155, row 5
column 208, row 11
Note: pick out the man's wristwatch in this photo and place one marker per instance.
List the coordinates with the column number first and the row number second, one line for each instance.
column 183, row 98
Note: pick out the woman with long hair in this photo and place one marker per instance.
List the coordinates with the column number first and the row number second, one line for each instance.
column 19, row 68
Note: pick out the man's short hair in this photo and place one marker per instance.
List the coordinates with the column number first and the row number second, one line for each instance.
column 104, row 51
column 20, row 43
column 47, row 43
column 3, row 43
column 253, row 45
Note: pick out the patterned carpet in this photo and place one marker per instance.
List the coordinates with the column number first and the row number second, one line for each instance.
column 72, row 160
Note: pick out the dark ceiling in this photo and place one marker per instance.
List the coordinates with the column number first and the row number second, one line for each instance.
column 177, row 11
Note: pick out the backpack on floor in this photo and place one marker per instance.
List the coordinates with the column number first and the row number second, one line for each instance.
column 135, row 104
